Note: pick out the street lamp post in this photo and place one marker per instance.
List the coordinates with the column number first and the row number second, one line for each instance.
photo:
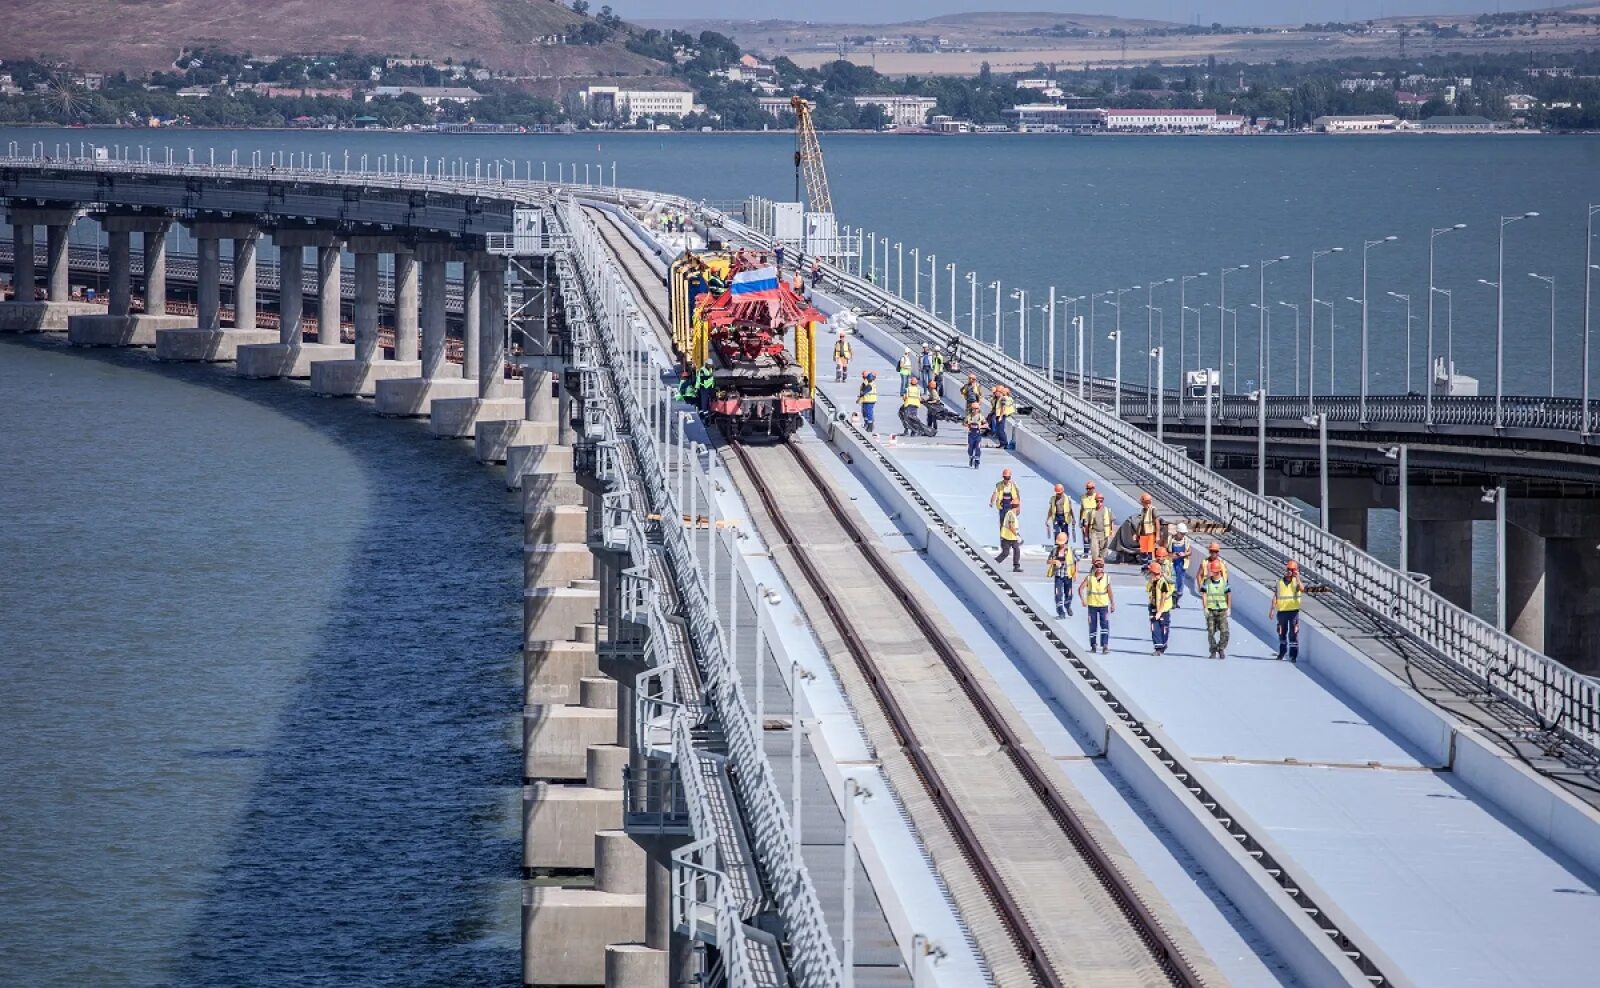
column 1433, row 234
column 933, row 286
column 872, row 261
column 1021, row 295
column 1261, row 323
column 1400, row 453
column 1551, row 281
column 1050, row 339
column 1149, row 331
column 1094, row 303
column 996, row 286
column 1209, row 374
column 1183, row 329
column 1320, row 420
column 1500, row 323
column 899, row 268
column 1589, row 267
column 1311, row 342
column 1222, row 316
column 1407, row 300
column 1296, row 307
column 1160, row 384
column 952, row 267
column 1116, row 336
column 1161, row 396
column 1366, row 245
column 1449, row 336
column 972, row 304
column 916, row 277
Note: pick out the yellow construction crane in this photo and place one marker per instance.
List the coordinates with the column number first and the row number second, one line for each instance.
column 808, row 159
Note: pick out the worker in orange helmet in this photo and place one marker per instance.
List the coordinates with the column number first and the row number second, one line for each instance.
column 972, row 391
column 1006, row 495
column 1217, row 597
column 1058, row 514
column 1101, row 525
column 1214, row 558
column 1063, row 571
column 1149, row 528
column 1286, row 607
column 1159, row 590
column 1085, row 511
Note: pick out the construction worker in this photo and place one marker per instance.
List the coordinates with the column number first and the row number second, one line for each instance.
column 1149, row 528
column 1159, row 590
column 1010, row 539
column 1006, row 495
column 1063, row 569
column 841, row 358
column 932, row 406
column 777, row 255
column 1101, row 603
column 798, row 283
column 925, row 364
column 1102, row 526
column 1217, row 598
column 910, row 407
column 685, row 390
column 1003, row 409
column 816, row 273
column 974, row 424
column 1214, row 557
column 868, row 399
column 972, row 391
column 1178, row 548
column 936, row 382
column 705, row 386
column 1164, row 560
column 904, row 367
column 1058, row 514
column 1085, row 512
column 1286, row 606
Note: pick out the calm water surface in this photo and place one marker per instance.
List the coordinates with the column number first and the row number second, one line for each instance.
column 259, row 654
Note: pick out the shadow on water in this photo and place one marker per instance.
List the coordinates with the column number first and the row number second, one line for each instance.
column 374, row 847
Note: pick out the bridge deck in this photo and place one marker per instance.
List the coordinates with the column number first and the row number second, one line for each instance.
column 1435, row 877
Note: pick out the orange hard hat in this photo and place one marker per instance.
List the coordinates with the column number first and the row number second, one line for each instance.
column 1060, row 489
column 1006, row 473
column 1291, row 565
column 1155, row 568
column 1144, row 499
column 1061, row 538
column 1215, row 547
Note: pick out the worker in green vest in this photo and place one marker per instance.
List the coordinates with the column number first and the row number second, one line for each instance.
column 1217, row 597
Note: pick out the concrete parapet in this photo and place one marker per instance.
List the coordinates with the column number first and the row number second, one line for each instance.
column 493, row 439
column 554, row 671
column 554, row 613
column 129, row 330
column 208, row 345
column 559, row 823
column 634, row 965
column 566, row 933
column 457, row 418
column 556, row 740
column 43, row 317
column 556, row 524
column 270, row 360
column 556, row 565
column 526, row 461
column 343, row 378
column 410, row 397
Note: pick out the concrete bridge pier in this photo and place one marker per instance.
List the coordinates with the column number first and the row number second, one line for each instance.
column 1553, row 578
column 26, row 314
column 205, row 338
column 360, row 375
column 497, row 400
column 415, row 396
column 1439, row 539
column 291, row 356
column 120, row 325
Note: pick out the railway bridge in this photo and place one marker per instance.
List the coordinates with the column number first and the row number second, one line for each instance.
column 786, row 721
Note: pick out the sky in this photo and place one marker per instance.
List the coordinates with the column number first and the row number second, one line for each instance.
column 1184, row 11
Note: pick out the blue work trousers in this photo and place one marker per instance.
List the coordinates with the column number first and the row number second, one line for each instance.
column 1177, row 579
column 974, row 446
column 1289, row 635
column 1160, row 631
column 867, row 408
column 1063, row 595
column 999, row 426
column 1100, row 624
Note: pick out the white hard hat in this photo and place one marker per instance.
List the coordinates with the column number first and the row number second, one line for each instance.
column 1183, row 528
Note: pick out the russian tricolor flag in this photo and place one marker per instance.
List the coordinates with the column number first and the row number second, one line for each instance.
column 755, row 283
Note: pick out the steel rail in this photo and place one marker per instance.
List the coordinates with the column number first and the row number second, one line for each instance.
column 1128, row 902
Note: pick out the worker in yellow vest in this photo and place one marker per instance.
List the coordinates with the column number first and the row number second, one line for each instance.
column 1214, row 558
column 1006, row 495
column 1286, row 606
column 1010, row 540
column 868, row 399
column 904, row 367
column 1149, row 528
column 1058, row 514
column 841, row 358
column 1178, row 549
column 1085, row 512
column 1159, row 590
column 1101, row 527
column 1063, row 570
column 1002, row 409
column 974, row 424
column 1100, row 603
column 972, row 391
column 1217, row 598
column 910, row 408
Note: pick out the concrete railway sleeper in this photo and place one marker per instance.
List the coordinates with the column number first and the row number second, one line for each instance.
column 1012, row 904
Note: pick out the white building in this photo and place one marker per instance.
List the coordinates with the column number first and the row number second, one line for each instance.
column 775, row 105
column 1047, row 117
column 634, row 105
column 1358, row 124
column 1228, row 123
column 903, row 111
column 430, row 95
column 1160, row 119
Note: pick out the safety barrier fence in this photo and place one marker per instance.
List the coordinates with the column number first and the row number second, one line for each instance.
column 644, row 407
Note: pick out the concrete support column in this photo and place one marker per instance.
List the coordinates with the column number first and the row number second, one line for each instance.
column 471, row 307
column 433, row 314
column 405, row 305
column 1443, row 550
column 60, row 285
column 329, row 272
column 25, row 275
column 121, row 272
column 492, row 328
column 244, row 282
column 1525, row 586
column 1572, row 612
column 366, row 307
column 155, row 269
column 209, row 271
column 291, row 300
column 1349, row 524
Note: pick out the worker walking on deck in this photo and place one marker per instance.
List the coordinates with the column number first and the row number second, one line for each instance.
column 925, row 364
column 972, row 391
column 1100, row 603
column 1003, row 409
column 1006, row 496
column 777, row 255
column 1214, row 558
column 1102, row 526
column 910, row 408
column 1179, row 550
column 1010, row 539
column 868, row 400
column 1158, row 588
column 1149, row 528
column 904, row 367
column 1058, row 514
column 1286, row 606
column 816, row 273
column 705, row 386
column 1218, row 600
column 1085, row 512
column 1063, row 570
column 936, row 382
column 841, row 358
column 974, row 424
